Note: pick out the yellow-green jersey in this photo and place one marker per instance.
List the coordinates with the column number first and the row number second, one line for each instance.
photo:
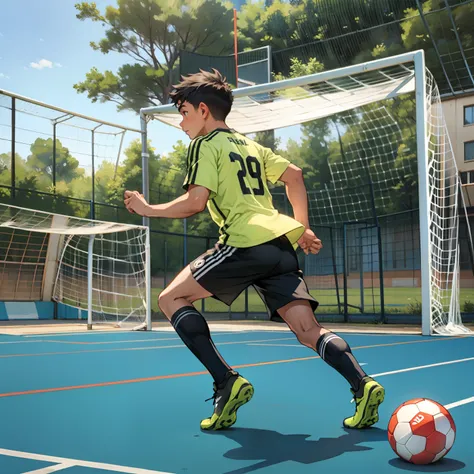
column 236, row 170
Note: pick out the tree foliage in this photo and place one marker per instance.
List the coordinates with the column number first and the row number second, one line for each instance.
column 152, row 33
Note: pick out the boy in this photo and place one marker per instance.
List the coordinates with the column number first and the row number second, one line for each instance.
column 228, row 173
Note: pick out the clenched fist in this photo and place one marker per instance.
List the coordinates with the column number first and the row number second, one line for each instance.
column 135, row 203
column 309, row 242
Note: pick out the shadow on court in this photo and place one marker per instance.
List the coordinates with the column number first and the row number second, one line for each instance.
column 270, row 447
column 445, row 465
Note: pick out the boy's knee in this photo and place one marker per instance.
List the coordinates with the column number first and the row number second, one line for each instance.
column 163, row 299
column 308, row 333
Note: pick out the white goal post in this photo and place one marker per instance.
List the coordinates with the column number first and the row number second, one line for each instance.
column 101, row 268
column 367, row 87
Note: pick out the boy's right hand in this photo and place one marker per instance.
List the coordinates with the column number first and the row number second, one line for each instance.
column 309, row 242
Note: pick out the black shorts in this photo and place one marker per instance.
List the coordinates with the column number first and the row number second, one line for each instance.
column 271, row 268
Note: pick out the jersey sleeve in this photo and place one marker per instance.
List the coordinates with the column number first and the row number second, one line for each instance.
column 202, row 166
column 275, row 165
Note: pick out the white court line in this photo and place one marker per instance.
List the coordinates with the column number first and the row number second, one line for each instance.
column 125, row 349
column 50, row 469
column 410, row 369
column 66, row 463
column 101, row 333
column 159, row 339
column 22, row 342
column 277, row 345
column 459, row 403
column 74, row 333
column 77, row 462
column 86, row 343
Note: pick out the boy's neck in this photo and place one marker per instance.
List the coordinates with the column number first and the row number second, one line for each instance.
column 214, row 125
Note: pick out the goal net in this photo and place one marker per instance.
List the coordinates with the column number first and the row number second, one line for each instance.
column 99, row 267
column 379, row 153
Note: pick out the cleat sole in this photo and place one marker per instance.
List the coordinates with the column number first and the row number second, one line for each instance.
column 229, row 414
column 370, row 416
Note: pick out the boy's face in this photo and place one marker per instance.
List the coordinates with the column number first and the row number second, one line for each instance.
column 194, row 120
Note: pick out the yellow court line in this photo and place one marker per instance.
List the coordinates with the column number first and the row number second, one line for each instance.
column 194, row 374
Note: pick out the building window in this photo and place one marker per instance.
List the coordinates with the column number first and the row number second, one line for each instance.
column 469, row 115
column 467, row 177
column 469, row 151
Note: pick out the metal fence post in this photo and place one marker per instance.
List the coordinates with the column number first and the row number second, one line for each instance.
column 13, row 149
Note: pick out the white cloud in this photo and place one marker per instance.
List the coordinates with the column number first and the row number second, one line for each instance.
column 42, row 40
column 58, row 64
column 41, row 64
column 4, row 76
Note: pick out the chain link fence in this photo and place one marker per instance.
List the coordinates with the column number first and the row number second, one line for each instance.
column 347, row 277
column 57, row 161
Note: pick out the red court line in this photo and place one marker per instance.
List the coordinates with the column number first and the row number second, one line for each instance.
column 194, row 374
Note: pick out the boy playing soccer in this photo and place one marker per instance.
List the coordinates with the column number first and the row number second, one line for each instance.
column 228, row 173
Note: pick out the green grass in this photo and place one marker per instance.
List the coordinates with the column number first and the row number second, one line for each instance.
column 397, row 300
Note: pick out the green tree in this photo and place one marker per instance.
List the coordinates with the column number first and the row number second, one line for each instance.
column 21, row 171
column 326, row 29
column 41, row 163
column 415, row 36
column 152, row 33
column 313, row 153
column 260, row 26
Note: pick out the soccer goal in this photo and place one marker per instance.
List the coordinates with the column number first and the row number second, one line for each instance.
column 100, row 268
column 376, row 155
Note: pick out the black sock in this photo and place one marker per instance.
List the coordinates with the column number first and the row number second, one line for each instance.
column 337, row 353
column 192, row 328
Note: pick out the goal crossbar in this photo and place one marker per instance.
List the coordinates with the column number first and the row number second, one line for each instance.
column 33, row 220
column 257, row 108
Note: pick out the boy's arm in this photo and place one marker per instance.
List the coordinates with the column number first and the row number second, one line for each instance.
column 193, row 202
column 278, row 168
column 201, row 184
column 296, row 192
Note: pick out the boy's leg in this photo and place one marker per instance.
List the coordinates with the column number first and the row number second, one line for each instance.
column 332, row 349
column 176, row 302
column 336, row 352
column 230, row 389
column 286, row 293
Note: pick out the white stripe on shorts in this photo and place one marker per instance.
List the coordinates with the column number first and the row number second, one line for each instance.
column 212, row 258
column 213, row 262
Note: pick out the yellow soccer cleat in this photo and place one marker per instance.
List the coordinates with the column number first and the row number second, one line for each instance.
column 236, row 392
column 367, row 405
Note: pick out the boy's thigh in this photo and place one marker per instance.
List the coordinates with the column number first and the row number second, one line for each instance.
column 226, row 271
column 185, row 286
column 285, row 284
column 279, row 290
column 272, row 268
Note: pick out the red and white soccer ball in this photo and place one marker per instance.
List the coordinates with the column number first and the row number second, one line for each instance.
column 421, row 431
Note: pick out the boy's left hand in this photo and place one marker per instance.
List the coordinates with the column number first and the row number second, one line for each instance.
column 135, row 203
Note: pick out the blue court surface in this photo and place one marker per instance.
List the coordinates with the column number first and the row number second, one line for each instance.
column 131, row 402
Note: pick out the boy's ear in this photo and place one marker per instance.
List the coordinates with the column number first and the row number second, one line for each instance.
column 204, row 110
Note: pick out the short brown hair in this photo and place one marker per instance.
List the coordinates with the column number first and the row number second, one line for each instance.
column 208, row 87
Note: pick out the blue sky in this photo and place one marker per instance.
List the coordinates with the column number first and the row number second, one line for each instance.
column 44, row 51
